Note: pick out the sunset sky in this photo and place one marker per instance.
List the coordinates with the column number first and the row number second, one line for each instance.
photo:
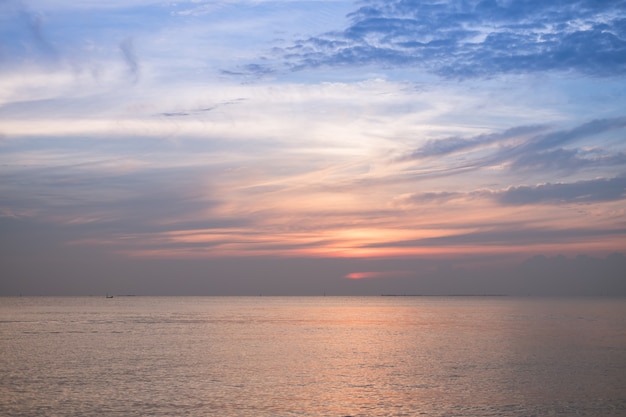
column 303, row 147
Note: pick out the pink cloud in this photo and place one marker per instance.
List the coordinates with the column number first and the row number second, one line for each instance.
column 376, row 274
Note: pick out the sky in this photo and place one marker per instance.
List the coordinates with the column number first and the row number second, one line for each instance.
column 295, row 147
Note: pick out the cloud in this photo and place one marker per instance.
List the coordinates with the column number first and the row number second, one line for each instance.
column 127, row 49
column 378, row 274
column 566, row 160
column 432, row 197
column 462, row 39
column 441, row 147
column 589, row 191
column 505, row 236
column 531, row 147
column 102, row 196
column 250, row 71
column 18, row 22
column 585, row 130
column 546, row 150
column 579, row 275
column 532, row 139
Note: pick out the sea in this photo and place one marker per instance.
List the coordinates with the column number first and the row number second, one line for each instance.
column 312, row 356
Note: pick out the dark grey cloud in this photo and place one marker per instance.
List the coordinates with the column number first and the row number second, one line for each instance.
column 566, row 160
column 250, row 71
column 468, row 38
column 433, row 197
column 535, row 140
column 504, row 236
column 580, row 192
column 590, row 191
column 62, row 269
column 547, row 150
column 581, row 275
column 446, row 146
column 111, row 203
column 585, row 130
column 534, row 147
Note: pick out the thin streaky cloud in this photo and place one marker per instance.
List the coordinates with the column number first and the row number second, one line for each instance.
column 523, row 148
column 506, row 237
column 127, row 49
column 441, row 147
column 579, row 192
column 589, row 191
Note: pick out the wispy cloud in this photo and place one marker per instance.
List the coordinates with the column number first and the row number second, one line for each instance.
column 569, row 161
column 504, row 237
column 127, row 49
column 585, row 130
column 538, row 148
column 17, row 21
column 589, row 191
column 442, row 147
column 579, row 192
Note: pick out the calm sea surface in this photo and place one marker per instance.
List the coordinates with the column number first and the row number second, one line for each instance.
column 312, row 356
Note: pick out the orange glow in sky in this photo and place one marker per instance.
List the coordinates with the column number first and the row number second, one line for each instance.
column 336, row 141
